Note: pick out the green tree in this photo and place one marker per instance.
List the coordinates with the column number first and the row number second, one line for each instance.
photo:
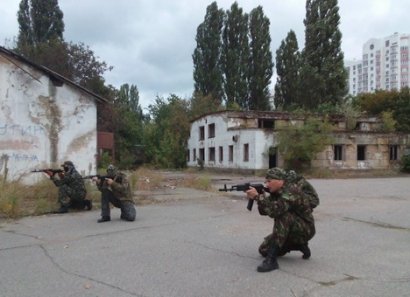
column 208, row 79
column 312, row 138
column 167, row 133
column 323, row 75
column 287, row 69
column 401, row 112
column 261, row 65
column 85, row 68
column 39, row 21
column 106, row 116
column 376, row 103
column 128, row 125
column 405, row 164
column 201, row 105
column 40, row 40
column 235, row 57
column 395, row 102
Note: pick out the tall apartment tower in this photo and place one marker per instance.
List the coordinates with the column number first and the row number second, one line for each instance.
column 355, row 74
column 384, row 65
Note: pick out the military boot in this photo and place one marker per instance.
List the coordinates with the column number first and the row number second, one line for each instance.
column 62, row 209
column 104, row 219
column 305, row 250
column 270, row 263
column 88, row 204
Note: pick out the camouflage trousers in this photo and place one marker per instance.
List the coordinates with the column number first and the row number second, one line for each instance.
column 70, row 198
column 128, row 211
column 289, row 229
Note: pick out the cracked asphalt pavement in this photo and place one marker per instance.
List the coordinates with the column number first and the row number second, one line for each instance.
column 197, row 243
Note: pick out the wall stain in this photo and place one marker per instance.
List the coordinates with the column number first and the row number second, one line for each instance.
column 16, row 145
column 80, row 142
column 49, row 116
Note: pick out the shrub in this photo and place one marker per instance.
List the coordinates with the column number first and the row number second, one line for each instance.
column 405, row 163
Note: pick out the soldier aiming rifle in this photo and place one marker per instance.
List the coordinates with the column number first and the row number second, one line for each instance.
column 71, row 188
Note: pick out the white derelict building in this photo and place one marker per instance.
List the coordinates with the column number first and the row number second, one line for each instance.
column 45, row 119
column 247, row 140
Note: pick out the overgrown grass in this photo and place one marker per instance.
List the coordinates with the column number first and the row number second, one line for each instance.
column 201, row 182
column 17, row 200
column 145, row 179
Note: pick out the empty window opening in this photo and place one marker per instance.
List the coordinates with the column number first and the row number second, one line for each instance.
column 361, row 152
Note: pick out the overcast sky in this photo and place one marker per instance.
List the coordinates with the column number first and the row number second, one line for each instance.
column 150, row 42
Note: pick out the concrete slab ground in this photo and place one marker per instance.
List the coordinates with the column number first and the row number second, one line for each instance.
column 197, row 243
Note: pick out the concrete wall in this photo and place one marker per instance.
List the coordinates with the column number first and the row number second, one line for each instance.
column 230, row 132
column 236, row 129
column 377, row 154
column 43, row 122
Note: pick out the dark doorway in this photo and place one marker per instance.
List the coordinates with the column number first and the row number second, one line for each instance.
column 272, row 157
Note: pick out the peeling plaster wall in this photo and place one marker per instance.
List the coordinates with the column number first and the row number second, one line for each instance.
column 42, row 125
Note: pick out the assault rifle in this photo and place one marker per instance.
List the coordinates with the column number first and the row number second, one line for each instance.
column 54, row 171
column 100, row 177
column 260, row 188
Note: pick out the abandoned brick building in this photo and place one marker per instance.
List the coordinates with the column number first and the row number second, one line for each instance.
column 248, row 140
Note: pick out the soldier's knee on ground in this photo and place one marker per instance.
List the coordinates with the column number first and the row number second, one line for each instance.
column 128, row 212
column 128, row 217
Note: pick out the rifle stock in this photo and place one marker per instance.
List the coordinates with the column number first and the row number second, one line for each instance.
column 260, row 188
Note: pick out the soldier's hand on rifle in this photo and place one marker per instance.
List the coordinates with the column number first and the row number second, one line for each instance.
column 49, row 173
column 61, row 175
column 109, row 181
column 252, row 193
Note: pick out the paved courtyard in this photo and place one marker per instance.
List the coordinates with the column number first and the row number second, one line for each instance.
column 196, row 243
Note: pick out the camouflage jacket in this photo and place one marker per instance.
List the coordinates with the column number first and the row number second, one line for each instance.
column 72, row 179
column 291, row 198
column 121, row 187
column 305, row 186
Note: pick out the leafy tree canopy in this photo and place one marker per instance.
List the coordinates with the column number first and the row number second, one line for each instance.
column 313, row 137
column 167, row 133
column 39, row 21
column 396, row 102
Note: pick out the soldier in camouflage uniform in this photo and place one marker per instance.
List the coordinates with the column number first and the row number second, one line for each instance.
column 116, row 189
column 289, row 203
column 71, row 188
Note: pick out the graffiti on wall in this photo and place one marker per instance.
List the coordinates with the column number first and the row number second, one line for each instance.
column 21, row 130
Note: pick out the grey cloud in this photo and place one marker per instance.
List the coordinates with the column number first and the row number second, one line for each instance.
column 150, row 42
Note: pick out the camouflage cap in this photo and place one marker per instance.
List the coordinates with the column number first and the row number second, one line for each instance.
column 276, row 173
column 67, row 163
